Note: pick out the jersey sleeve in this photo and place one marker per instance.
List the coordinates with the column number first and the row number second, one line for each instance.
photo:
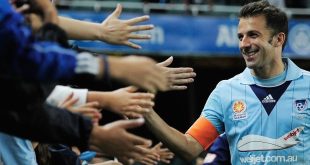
column 213, row 110
column 210, row 124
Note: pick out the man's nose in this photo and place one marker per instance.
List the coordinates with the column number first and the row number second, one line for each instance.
column 245, row 42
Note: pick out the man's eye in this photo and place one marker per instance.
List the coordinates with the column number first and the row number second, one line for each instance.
column 253, row 35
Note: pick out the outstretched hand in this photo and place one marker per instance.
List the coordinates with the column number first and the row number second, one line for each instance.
column 113, row 139
column 150, row 158
column 90, row 109
column 139, row 71
column 126, row 101
column 155, row 155
column 164, row 153
column 178, row 77
column 116, row 31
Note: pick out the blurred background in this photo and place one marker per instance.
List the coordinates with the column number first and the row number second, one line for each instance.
column 198, row 33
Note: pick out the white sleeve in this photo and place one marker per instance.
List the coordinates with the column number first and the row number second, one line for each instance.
column 60, row 93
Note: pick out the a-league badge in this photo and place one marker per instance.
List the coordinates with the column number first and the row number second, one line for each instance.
column 239, row 109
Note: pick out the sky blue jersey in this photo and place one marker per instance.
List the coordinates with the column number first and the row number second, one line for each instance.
column 16, row 151
column 264, row 125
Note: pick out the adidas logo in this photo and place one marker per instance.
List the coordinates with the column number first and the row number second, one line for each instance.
column 268, row 99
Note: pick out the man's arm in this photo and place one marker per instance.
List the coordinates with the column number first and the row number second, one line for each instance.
column 49, row 10
column 21, row 55
column 112, row 30
column 182, row 144
column 23, row 114
column 52, row 125
column 124, row 101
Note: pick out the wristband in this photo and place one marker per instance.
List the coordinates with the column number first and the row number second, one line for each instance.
column 106, row 67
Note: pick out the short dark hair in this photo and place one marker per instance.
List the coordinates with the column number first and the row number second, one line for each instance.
column 53, row 33
column 276, row 19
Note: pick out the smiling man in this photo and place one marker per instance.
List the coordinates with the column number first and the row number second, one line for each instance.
column 264, row 110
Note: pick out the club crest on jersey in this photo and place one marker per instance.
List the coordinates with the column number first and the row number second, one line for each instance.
column 239, row 108
column 301, row 105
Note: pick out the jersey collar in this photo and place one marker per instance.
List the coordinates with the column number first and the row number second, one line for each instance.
column 293, row 72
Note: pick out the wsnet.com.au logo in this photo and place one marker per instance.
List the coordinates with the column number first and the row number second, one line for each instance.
column 253, row 159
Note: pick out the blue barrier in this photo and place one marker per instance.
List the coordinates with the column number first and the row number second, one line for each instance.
column 184, row 35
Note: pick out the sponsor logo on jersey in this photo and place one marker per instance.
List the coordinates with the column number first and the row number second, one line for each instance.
column 269, row 159
column 301, row 105
column 263, row 143
column 268, row 99
column 293, row 133
column 239, row 108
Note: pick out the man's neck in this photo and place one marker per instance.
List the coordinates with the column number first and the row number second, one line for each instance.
column 270, row 71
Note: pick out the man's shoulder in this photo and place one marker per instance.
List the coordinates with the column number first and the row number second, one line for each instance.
column 235, row 79
column 305, row 72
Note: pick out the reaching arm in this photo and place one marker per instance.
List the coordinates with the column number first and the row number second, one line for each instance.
column 48, row 9
column 46, row 61
column 21, row 55
column 182, row 144
column 80, row 30
column 112, row 30
column 24, row 116
column 124, row 101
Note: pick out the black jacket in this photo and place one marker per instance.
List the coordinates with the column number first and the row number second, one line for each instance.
column 23, row 113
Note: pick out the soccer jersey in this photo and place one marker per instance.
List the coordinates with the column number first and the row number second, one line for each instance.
column 16, row 151
column 264, row 125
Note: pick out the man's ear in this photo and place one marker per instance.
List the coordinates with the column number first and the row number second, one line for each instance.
column 280, row 38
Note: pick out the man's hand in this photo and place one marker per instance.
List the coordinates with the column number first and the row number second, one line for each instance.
column 178, row 77
column 164, row 153
column 114, row 140
column 126, row 101
column 116, row 31
column 139, row 71
column 90, row 109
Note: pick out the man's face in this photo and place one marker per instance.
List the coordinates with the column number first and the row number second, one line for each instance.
column 256, row 42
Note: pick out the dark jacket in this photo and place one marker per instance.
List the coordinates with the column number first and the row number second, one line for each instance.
column 23, row 113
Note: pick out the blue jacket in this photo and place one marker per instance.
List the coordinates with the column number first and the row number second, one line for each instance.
column 21, row 55
column 23, row 112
